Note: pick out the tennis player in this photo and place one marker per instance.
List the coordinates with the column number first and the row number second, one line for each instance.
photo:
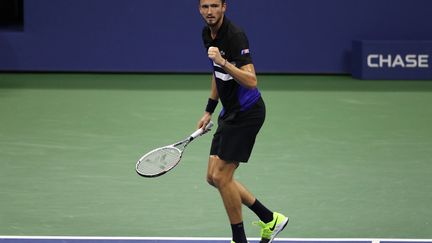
column 234, row 83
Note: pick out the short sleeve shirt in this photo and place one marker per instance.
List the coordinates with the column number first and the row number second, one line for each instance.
column 233, row 45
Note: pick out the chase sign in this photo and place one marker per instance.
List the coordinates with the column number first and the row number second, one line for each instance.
column 392, row 60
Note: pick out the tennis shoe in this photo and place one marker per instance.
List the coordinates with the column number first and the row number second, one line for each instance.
column 271, row 229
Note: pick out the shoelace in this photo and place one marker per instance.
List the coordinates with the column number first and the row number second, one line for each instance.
column 265, row 231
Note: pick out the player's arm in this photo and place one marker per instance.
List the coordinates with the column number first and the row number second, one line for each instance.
column 211, row 105
column 245, row 75
column 214, row 93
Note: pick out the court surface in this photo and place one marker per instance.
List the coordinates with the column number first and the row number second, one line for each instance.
column 343, row 158
column 56, row 239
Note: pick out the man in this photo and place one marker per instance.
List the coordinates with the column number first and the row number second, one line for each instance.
column 234, row 82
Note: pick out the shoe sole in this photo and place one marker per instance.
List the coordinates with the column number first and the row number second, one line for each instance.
column 279, row 229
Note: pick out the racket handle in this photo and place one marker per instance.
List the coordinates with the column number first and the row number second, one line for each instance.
column 201, row 131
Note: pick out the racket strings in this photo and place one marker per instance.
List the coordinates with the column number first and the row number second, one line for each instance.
column 159, row 161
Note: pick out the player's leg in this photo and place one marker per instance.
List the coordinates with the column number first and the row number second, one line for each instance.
column 271, row 223
column 222, row 178
column 247, row 198
column 220, row 174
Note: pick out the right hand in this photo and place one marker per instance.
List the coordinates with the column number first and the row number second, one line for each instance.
column 205, row 119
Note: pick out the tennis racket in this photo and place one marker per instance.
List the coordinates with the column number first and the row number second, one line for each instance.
column 161, row 160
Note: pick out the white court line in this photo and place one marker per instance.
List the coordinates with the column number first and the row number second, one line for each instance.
column 204, row 238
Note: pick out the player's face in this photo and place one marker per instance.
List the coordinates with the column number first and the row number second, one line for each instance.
column 212, row 11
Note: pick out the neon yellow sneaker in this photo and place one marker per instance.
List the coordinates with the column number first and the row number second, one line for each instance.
column 271, row 229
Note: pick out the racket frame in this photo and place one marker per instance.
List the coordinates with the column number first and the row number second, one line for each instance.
column 180, row 146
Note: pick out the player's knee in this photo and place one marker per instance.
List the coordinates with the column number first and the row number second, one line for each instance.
column 210, row 180
column 219, row 172
column 214, row 180
column 213, row 160
column 218, row 180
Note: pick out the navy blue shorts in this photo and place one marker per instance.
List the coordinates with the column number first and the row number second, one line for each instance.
column 235, row 136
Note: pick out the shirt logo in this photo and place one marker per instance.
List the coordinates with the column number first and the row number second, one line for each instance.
column 245, row 51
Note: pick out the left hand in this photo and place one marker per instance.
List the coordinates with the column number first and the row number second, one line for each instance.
column 215, row 55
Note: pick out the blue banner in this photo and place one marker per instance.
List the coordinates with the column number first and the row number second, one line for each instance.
column 392, row 59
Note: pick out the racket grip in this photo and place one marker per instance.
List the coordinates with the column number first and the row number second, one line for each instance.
column 201, row 131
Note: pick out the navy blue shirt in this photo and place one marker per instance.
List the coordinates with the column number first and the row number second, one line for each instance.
column 234, row 47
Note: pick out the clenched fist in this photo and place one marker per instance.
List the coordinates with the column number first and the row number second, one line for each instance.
column 215, row 55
